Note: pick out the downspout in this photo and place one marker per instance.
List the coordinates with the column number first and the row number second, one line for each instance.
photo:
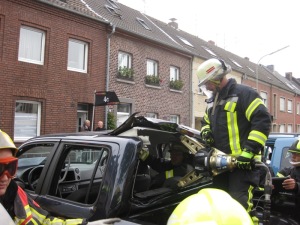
column 192, row 119
column 108, row 67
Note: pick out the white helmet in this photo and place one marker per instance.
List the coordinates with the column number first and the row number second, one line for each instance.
column 7, row 143
column 212, row 69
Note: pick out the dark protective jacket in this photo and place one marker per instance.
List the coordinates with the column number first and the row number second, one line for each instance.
column 294, row 172
column 25, row 211
column 165, row 170
column 240, row 119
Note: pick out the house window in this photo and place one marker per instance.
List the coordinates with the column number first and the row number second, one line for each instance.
column 152, row 115
column 27, row 120
column 290, row 106
column 282, row 104
column 174, row 118
column 274, row 129
column 282, row 128
column 174, row 73
column 31, row 45
column 185, row 41
column 298, row 108
column 289, row 128
column 142, row 22
column 124, row 60
column 263, row 95
column 275, row 106
column 298, row 128
column 123, row 112
column 77, row 56
column 152, row 67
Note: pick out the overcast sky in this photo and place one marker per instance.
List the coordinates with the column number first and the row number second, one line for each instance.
column 248, row 28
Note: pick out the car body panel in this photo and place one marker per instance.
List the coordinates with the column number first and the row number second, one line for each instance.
column 71, row 158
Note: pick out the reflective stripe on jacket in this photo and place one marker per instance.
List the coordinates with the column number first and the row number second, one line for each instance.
column 28, row 212
column 240, row 119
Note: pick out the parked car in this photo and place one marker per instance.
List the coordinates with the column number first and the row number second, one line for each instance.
column 97, row 176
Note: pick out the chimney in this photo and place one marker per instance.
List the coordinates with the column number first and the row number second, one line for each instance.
column 289, row 76
column 211, row 42
column 271, row 68
column 247, row 58
column 173, row 23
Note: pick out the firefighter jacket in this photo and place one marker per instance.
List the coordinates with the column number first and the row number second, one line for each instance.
column 238, row 119
column 294, row 172
column 166, row 170
column 25, row 211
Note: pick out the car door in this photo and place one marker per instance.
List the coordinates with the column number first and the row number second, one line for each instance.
column 70, row 184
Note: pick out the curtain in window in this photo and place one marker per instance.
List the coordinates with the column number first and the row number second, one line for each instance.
column 31, row 44
column 76, row 55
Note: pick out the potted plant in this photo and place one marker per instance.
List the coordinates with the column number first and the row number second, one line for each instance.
column 176, row 84
column 152, row 80
column 125, row 73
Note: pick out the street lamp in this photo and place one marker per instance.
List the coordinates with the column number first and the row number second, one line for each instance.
column 261, row 59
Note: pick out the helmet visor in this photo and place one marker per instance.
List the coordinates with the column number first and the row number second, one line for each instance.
column 8, row 166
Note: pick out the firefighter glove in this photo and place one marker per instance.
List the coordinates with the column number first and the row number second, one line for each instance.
column 246, row 160
column 104, row 222
column 207, row 136
column 143, row 154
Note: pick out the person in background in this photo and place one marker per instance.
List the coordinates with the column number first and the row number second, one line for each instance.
column 86, row 126
column 236, row 122
column 292, row 183
column 99, row 126
column 177, row 166
column 18, row 204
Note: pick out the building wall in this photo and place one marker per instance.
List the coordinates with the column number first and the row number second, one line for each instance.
column 273, row 105
column 162, row 100
column 58, row 89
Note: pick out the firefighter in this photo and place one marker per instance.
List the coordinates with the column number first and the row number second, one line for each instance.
column 20, row 206
column 292, row 183
column 210, row 207
column 169, row 171
column 237, row 122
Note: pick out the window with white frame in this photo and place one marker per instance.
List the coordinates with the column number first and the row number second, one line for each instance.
column 282, row 128
column 282, row 104
column 152, row 115
column 31, row 45
column 152, row 67
column 290, row 106
column 27, row 120
column 174, row 73
column 174, row 118
column 263, row 95
column 298, row 108
column 124, row 60
column 77, row 55
column 289, row 128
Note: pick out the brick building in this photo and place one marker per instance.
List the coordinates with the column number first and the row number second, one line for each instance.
column 51, row 62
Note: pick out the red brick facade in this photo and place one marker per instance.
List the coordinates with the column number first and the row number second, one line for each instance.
column 162, row 101
column 59, row 90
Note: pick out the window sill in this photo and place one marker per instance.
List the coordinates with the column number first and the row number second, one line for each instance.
column 125, row 81
column 174, row 90
column 153, row 86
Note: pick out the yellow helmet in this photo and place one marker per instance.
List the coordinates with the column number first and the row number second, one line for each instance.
column 210, row 207
column 212, row 69
column 7, row 143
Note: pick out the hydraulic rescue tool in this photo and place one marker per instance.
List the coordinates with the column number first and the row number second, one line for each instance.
column 209, row 161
